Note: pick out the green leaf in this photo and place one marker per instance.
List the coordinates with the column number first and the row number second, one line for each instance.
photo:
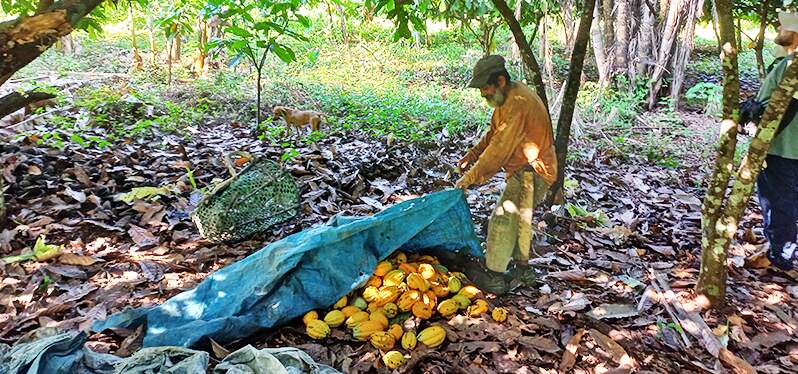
column 284, row 53
column 43, row 251
column 140, row 193
column 235, row 30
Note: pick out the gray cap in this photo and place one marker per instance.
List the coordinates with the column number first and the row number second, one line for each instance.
column 484, row 68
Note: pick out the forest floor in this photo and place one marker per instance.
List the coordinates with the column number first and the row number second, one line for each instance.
column 595, row 309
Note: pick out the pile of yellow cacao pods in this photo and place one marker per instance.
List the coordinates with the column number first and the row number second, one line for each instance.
column 403, row 287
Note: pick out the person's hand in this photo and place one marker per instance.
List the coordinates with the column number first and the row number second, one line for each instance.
column 464, row 164
column 463, row 183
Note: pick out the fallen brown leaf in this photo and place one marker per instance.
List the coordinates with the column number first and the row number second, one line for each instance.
column 73, row 259
column 569, row 355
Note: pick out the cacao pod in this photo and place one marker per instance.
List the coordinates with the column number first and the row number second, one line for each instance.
column 441, row 269
column 394, row 278
column 374, row 281
column 422, row 310
column 428, row 259
column 390, row 309
column 383, row 268
column 334, row 318
column 382, row 340
column 310, row 316
column 317, row 329
column 407, row 300
column 386, row 294
column 432, row 336
column 396, row 330
column 470, row 292
column 448, row 308
column 440, row 291
column 462, row 277
column 360, row 303
column 478, row 308
column 379, row 317
column 400, row 258
column 417, row 282
column 499, row 314
column 427, row 271
column 463, row 301
column 408, row 267
column 356, row 319
column 409, row 340
column 340, row 303
column 370, row 293
column 393, row 359
column 454, row 284
column 429, row 299
column 349, row 310
column 364, row 330
column 373, row 307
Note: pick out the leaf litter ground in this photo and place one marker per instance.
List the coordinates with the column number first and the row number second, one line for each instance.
column 595, row 308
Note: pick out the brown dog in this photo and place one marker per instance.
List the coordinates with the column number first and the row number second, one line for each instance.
column 298, row 119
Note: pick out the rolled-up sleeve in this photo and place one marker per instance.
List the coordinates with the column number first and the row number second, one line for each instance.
column 504, row 140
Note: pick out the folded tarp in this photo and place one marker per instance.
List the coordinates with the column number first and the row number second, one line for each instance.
column 308, row 270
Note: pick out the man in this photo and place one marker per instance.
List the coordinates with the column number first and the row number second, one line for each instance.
column 520, row 141
column 777, row 184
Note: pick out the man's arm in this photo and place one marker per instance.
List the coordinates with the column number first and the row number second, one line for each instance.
column 473, row 154
column 503, row 143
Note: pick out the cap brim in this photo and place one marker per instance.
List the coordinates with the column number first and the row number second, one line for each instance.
column 478, row 82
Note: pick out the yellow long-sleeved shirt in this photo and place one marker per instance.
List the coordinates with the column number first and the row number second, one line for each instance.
column 520, row 134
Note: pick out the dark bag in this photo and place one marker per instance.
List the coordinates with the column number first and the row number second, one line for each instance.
column 752, row 110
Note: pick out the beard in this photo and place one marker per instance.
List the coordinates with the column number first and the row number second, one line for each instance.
column 784, row 38
column 497, row 99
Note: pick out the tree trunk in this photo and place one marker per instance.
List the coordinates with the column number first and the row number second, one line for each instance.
column 153, row 47
column 598, row 47
column 176, row 47
column 515, row 53
column 621, row 38
column 567, row 8
column 715, row 27
column 760, row 38
column 712, row 280
column 523, row 45
column 683, row 51
column 257, row 101
column 669, row 34
column 545, row 51
column 171, row 45
column 17, row 100
column 571, row 91
column 200, row 68
column 342, row 16
column 22, row 40
column 646, row 42
column 43, row 5
column 137, row 62
column 609, row 29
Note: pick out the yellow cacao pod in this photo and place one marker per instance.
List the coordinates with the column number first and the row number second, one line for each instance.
column 440, row 291
column 407, row 300
column 394, row 278
column 383, row 268
column 374, row 281
column 379, row 317
column 470, row 292
column 441, row 269
column 400, row 258
column 373, row 307
column 360, row 303
column 462, row 300
column 341, row 303
column 427, row 271
column 310, row 316
column 334, row 318
column 422, row 310
column 364, row 330
column 387, row 294
column 396, row 330
column 456, row 274
column 428, row 259
column 417, row 282
column 348, row 311
column 382, row 340
column 390, row 310
column 393, row 359
column 370, row 293
column 408, row 267
column 432, row 336
column 317, row 329
column 356, row 319
column 448, row 308
column 499, row 314
column 478, row 308
column 429, row 299
column 409, row 340
column 454, row 284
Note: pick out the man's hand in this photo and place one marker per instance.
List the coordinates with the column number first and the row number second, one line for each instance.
column 463, row 183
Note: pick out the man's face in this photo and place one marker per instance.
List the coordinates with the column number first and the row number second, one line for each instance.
column 494, row 95
column 785, row 38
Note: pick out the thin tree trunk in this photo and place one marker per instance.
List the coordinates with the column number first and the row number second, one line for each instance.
column 342, row 16
column 202, row 35
column 515, row 53
column 607, row 7
column 669, row 34
column 571, row 91
column 712, row 279
column 523, row 45
column 715, row 27
column 760, row 38
column 596, row 37
column 647, row 43
column 621, row 38
column 153, row 47
column 171, row 45
column 739, row 35
column 683, row 51
column 136, row 63
column 176, row 47
column 545, row 50
column 2, row 205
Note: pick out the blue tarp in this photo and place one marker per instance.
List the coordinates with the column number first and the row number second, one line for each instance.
column 308, row 270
